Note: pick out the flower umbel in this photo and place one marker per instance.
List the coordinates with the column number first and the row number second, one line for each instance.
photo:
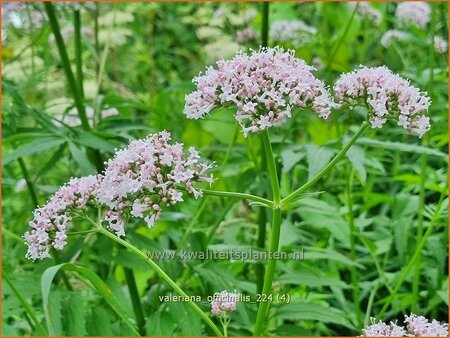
column 296, row 31
column 50, row 222
column 386, row 94
column 224, row 302
column 146, row 175
column 263, row 86
column 414, row 13
column 392, row 35
column 416, row 326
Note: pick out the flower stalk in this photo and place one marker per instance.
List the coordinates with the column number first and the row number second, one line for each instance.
column 159, row 271
column 275, row 233
column 294, row 195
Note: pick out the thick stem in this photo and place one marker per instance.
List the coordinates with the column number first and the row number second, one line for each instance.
column 78, row 49
column 73, row 86
column 261, row 243
column 292, row 196
column 265, row 24
column 270, row 272
column 275, row 234
column 160, row 272
column 352, row 232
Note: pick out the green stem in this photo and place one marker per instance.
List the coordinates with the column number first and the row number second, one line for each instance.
column 239, row 195
column 160, row 272
column 135, row 300
column 26, row 306
column 416, row 279
column 270, row 272
column 271, row 167
column 265, row 24
column 414, row 258
column 292, row 196
column 261, row 243
column 78, row 50
column 275, row 235
column 341, row 39
column 353, row 230
column 74, row 88
column 30, row 184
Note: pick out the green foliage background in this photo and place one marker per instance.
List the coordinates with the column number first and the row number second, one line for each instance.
column 140, row 58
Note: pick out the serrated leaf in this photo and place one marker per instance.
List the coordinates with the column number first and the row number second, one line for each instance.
column 94, row 279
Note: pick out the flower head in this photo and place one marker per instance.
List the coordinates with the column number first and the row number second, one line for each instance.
column 390, row 36
column 224, row 302
column 146, row 175
column 263, row 86
column 416, row 326
column 50, row 222
column 365, row 10
column 246, row 35
column 420, row 326
column 386, row 94
column 296, row 31
column 440, row 45
column 381, row 329
column 413, row 13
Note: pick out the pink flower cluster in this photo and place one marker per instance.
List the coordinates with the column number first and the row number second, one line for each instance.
column 224, row 302
column 296, row 32
column 392, row 35
column 263, row 86
column 416, row 326
column 50, row 222
column 413, row 13
column 137, row 182
column 381, row 329
column 420, row 326
column 440, row 45
column 146, row 175
column 246, row 35
column 365, row 10
column 386, row 94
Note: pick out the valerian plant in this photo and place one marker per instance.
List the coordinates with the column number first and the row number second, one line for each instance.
column 263, row 89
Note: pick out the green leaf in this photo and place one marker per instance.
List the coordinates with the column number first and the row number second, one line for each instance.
column 357, row 158
column 93, row 141
column 75, row 311
column 80, row 157
column 99, row 323
column 412, row 148
column 290, row 159
column 34, row 147
column 318, row 158
column 160, row 324
column 94, row 279
column 310, row 311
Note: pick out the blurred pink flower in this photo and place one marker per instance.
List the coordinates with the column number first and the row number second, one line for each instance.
column 414, row 13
